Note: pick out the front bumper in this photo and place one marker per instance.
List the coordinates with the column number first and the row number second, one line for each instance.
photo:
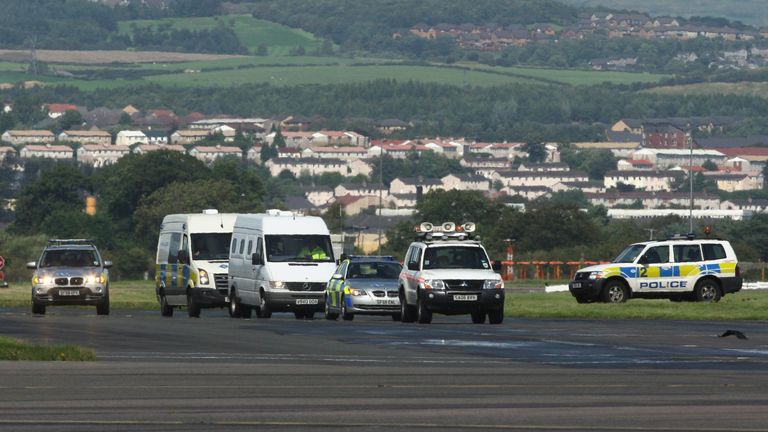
column 448, row 303
column 586, row 288
column 290, row 301
column 54, row 296
column 731, row 284
column 370, row 305
column 210, row 297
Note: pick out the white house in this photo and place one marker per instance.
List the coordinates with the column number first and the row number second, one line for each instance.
column 731, row 182
column 411, row 185
column 28, row 136
column 538, row 178
column 346, row 153
column 48, row 151
column 527, row 192
column 209, row 154
column 319, row 196
column 466, row 182
column 373, row 190
column 130, row 137
column 87, row 136
column 645, row 180
column 146, row 148
column 188, row 136
column 317, row 166
column 99, row 155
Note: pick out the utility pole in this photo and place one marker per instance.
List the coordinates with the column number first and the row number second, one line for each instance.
column 690, row 176
column 650, row 231
column 381, row 188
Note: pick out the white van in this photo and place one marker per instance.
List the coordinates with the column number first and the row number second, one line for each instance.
column 192, row 260
column 279, row 261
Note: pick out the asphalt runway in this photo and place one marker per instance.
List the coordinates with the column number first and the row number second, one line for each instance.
column 217, row 373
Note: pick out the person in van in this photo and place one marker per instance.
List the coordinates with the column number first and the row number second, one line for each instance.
column 313, row 251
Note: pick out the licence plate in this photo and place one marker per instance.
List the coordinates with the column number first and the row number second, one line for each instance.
column 576, row 284
column 465, row 297
column 386, row 302
column 69, row 292
column 306, row 301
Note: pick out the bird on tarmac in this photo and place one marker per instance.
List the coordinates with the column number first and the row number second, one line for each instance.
column 736, row 333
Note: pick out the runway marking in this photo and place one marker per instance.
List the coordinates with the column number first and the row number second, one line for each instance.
column 337, row 425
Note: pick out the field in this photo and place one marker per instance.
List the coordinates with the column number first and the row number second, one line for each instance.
column 739, row 88
column 252, row 32
column 12, row 349
column 521, row 303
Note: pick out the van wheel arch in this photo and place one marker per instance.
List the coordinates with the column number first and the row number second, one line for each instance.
column 611, row 285
column 702, row 294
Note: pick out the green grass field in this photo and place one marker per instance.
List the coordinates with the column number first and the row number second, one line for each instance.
column 744, row 305
column 13, row 349
column 719, row 88
column 252, row 32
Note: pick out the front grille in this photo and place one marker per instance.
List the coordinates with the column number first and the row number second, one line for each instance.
column 379, row 293
column 221, row 280
column 464, row 285
column 581, row 276
column 305, row 286
column 61, row 281
column 392, row 294
column 76, row 281
column 377, row 307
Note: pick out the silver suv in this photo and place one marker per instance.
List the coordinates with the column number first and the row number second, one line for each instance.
column 70, row 272
column 448, row 272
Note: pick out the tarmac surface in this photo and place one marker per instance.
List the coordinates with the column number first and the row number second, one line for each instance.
column 217, row 373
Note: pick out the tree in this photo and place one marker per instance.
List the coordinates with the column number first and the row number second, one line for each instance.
column 125, row 119
column 537, row 153
column 262, row 50
column 709, row 165
column 69, row 119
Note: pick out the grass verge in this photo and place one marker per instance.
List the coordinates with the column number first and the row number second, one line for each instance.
column 13, row 349
column 122, row 295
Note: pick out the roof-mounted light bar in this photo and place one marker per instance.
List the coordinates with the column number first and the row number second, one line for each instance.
column 445, row 230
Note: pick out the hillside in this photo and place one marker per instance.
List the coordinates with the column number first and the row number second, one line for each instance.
column 752, row 12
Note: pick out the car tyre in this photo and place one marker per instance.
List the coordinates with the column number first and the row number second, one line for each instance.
column 707, row 291
column 235, row 309
column 496, row 316
column 193, row 309
column 38, row 309
column 478, row 317
column 309, row 315
column 166, row 310
column 331, row 316
column 345, row 315
column 396, row 317
column 615, row 292
column 263, row 311
column 423, row 314
column 298, row 315
column 407, row 312
column 103, row 307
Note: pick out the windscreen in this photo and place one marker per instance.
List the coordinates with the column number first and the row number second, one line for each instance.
column 374, row 270
column 629, row 254
column 299, row 248
column 69, row 258
column 456, row 257
column 211, row 246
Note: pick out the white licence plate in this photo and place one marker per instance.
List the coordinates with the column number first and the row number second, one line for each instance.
column 465, row 297
column 306, row 301
column 69, row 292
column 386, row 302
column 576, row 284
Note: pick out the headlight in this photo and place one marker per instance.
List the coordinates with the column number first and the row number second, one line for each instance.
column 493, row 284
column 595, row 275
column 276, row 284
column 204, row 277
column 433, row 284
column 42, row 280
column 356, row 292
column 40, row 291
column 96, row 279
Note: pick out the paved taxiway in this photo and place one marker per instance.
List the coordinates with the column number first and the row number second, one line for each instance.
column 216, row 373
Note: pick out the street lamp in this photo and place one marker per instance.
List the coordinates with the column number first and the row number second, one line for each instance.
column 690, row 176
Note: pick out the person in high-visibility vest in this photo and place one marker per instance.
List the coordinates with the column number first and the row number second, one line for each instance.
column 313, row 251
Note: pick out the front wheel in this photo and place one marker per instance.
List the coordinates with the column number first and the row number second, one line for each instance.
column 615, row 292
column 166, row 310
column 478, row 317
column 496, row 316
column 707, row 291
column 38, row 309
column 407, row 312
column 103, row 307
column 193, row 308
column 332, row 316
column 264, row 311
column 346, row 315
column 423, row 314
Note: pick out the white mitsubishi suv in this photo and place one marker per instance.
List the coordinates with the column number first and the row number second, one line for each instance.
column 447, row 271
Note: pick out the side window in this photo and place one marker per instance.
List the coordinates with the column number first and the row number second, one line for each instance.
column 173, row 248
column 343, row 270
column 259, row 247
column 185, row 243
column 242, row 246
column 657, row 255
column 415, row 260
column 713, row 251
column 234, row 246
column 687, row 253
column 163, row 245
column 250, row 247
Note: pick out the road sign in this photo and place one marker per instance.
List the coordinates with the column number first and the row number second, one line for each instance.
column 2, row 263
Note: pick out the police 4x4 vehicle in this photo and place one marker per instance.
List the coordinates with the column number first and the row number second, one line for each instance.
column 448, row 271
column 364, row 285
column 70, row 272
column 679, row 268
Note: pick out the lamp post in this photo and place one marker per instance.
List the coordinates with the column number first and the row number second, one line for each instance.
column 690, row 176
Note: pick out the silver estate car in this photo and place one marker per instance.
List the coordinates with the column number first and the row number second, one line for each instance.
column 70, row 272
column 363, row 285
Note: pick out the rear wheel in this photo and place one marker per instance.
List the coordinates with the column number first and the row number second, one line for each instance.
column 423, row 314
column 707, row 291
column 407, row 312
column 496, row 316
column 615, row 292
column 478, row 317
column 346, row 315
column 38, row 309
column 193, row 308
column 166, row 310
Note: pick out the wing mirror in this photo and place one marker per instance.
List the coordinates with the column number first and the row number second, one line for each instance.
column 31, row 265
column 337, row 276
column 107, row 264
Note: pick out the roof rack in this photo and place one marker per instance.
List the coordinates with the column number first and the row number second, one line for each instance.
column 368, row 257
column 62, row 242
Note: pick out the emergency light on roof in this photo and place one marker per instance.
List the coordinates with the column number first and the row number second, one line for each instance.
column 445, row 227
column 210, row 211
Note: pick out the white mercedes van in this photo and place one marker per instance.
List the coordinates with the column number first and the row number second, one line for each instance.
column 192, row 260
column 279, row 261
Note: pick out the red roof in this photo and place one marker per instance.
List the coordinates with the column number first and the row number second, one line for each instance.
column 348, row 199
column 640, row 162
column 744, row 151
column 60, row 108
